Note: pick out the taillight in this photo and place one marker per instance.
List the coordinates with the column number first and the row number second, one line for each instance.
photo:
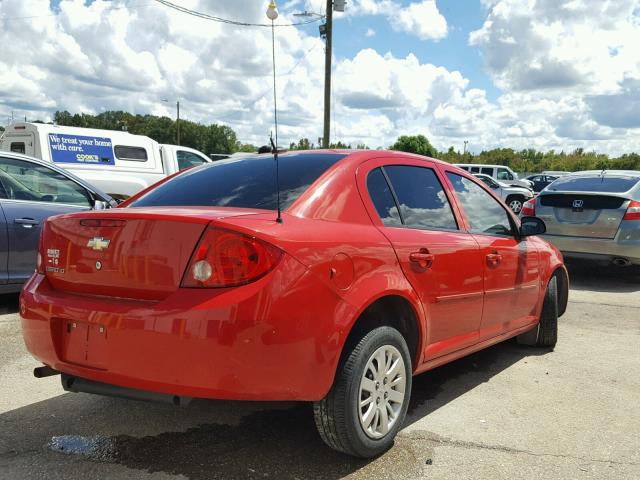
column 528, row 208
column 224, row 258
column 633, row 211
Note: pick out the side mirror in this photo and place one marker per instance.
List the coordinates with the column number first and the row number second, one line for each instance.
column 531, row 226
column 100, row 205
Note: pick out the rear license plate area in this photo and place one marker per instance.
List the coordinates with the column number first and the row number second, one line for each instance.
column 84, row 343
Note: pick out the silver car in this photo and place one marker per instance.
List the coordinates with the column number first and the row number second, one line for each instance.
column 512, row 195
column 593, row 215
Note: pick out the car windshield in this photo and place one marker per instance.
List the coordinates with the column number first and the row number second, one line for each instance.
column 247, row 182
column 604, row 183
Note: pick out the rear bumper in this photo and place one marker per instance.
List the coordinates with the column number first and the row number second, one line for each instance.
column 274, row 339
column 626, row 244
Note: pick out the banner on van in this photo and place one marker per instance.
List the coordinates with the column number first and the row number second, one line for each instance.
column 81, row 149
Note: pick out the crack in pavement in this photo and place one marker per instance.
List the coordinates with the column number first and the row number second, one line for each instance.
column 434, row 438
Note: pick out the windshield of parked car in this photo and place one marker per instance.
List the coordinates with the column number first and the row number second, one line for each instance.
column 608, row 184
column 247, row 182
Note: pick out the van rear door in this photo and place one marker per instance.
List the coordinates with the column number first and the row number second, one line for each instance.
column 19, row 143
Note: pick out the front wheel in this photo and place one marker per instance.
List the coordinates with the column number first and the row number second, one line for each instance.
column 368, row 401
column 515, row 204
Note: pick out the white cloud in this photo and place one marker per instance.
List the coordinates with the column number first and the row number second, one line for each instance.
column 570, row 75
column 422, row 20
column 370, row 33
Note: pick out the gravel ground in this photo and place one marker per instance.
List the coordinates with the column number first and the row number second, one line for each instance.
column 506, row 412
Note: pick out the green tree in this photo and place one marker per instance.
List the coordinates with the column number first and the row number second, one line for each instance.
column 414, row 144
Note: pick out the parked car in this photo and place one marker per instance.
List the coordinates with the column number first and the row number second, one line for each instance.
column 497, row 172
column 117, row 162
column 514, row 197
column 382, row 265
column 31, row 191
column 592, row 215
column 540, row 181
column 555, row 173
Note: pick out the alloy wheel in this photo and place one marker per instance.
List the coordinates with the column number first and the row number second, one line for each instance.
column 382, row 391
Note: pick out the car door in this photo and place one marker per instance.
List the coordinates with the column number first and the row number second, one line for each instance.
column 511, row 264
column 442, row 262
column 31, row 193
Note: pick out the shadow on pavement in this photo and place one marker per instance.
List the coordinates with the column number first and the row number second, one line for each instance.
column 215, row 439
column 9, row 303
column 599, row 277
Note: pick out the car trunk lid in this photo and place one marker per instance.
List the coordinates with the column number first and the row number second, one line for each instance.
column 582, row 214
column 138, row 253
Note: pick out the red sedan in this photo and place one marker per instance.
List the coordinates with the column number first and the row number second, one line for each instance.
column 382, row 266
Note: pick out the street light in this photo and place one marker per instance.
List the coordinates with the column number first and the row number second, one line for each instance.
column 177, row 119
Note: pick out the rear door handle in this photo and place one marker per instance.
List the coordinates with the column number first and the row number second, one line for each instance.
column 494, row 259
column 422, row 258
column 26, row 222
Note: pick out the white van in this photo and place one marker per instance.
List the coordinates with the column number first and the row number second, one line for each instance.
column 499, row 172
column 118, row 163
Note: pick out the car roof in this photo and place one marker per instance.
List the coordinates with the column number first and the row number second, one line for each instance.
column 607, row 173
column 53, row 166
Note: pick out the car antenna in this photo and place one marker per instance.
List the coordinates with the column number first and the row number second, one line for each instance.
column 274, row 150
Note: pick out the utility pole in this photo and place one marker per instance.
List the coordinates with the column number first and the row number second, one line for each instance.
column 327, row 76
column 465, row 147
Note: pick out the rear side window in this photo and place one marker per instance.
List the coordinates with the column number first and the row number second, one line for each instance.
column 594, row 184
column 382, row 198
column 247, row 182
column 421, row 198
column 487, row 171
column 484, row 213
column 137, row 154
column 475, row 169
column 188, row 159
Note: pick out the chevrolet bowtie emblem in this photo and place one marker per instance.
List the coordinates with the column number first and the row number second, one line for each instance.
column 98, row 243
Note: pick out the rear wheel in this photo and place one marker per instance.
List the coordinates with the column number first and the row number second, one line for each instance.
column 368, row 401
column 515, row 203
column 545, row 334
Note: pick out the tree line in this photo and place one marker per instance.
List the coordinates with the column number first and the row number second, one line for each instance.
column 221, row 139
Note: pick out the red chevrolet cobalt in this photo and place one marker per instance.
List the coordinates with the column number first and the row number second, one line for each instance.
column 382, row 265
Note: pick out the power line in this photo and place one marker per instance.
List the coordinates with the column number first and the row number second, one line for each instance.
column 215, row 18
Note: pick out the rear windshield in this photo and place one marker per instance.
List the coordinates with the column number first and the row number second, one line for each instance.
column 247, row 182
column 594, row 184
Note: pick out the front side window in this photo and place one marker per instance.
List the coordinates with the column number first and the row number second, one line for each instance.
column 32, row 182
column 136, row 154
column 485, row 214
column 421, row 198
column 382, row 198
column 504, row 174
column 188, row 159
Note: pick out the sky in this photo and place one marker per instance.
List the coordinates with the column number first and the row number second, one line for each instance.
column 544, row 74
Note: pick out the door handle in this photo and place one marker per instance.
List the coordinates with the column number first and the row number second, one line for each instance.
column 422, row 258
column 494, row 259
column 26, row 222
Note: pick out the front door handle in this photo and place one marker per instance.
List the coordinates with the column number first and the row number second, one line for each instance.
column 494, row 259
column 422, row 258
column 26, row 222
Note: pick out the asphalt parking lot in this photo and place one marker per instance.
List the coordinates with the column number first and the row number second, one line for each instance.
column 506, row 412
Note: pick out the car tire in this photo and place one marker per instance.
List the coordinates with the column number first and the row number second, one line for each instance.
column 515, row 203
column 545, row 334
column 346, row 418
